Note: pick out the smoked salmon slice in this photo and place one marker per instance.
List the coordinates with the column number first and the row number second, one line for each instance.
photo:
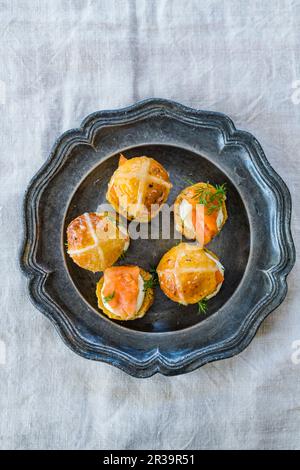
column 204, row 221
column 205, row 224
column 121, row 289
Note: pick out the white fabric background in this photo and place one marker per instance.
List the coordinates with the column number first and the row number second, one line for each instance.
column 61, row 60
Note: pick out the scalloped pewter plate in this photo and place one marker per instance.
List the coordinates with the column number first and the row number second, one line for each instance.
column 255, row 244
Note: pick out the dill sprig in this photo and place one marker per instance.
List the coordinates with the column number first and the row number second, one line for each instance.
column 202, row 306
column 213, row 200
column 189, row 181
column 109, row 297
column 152, row 281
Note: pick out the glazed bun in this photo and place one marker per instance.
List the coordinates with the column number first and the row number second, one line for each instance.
column 96, row 240
column 125, row 292
column 188, row 274
column 138, row 188
column 200, row 212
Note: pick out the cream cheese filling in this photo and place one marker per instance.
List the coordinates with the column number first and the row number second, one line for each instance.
column 185, row 212
column 220, row 218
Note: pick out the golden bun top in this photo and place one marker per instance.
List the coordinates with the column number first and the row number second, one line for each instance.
column 95, row 240
column 121, row 284
column 138, row 188
column 206, row 201
column 188, row 273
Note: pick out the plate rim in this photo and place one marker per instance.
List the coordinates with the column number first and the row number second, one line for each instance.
column 36, row 275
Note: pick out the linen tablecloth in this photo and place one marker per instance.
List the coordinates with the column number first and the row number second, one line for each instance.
column 62, row 60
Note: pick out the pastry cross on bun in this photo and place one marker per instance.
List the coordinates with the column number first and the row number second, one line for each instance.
column 96, row 240
column 138, row 188
column 188, row 274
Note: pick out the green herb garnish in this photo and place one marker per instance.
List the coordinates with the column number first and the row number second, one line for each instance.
column 202, row 306
column 189, row 181
column 152, row 281
column 123, row 255
column 208, row 198
column 109, row 297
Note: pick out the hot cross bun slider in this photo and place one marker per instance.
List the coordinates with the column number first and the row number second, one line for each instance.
column 96, row 240
column 200, row 211
column 138, row 188
column 125, row 292
column 188, row 274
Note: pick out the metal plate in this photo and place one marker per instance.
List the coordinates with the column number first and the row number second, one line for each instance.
column 255, row 244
